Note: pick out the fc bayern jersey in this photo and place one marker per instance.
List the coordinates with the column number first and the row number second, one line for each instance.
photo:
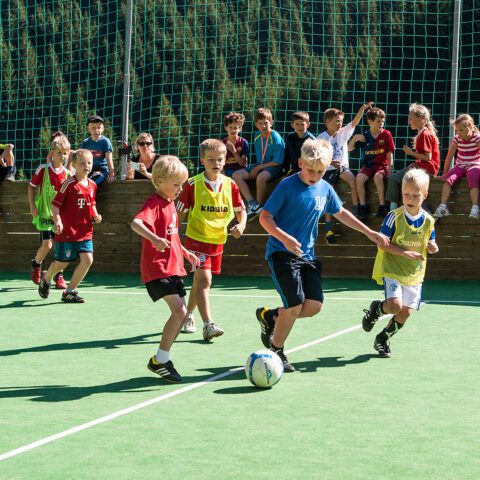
column 160, row 216
column 297, row 208
column 57, row 176
column 75, row 202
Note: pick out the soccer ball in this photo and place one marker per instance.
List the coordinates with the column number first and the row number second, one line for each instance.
column 264, row 368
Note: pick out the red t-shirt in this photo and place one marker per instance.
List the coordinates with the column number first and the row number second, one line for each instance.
column 160, row 216
column 75, row 202
column 230, row 161
column 187, row 200
column 57, row 177
column 426, row 142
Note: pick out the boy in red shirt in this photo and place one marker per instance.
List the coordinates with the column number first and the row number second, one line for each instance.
column 73, row 209
column 213, row 200
column 45, row 183
column 162, row 257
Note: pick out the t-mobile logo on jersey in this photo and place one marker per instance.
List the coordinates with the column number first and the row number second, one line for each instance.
column 81, row 202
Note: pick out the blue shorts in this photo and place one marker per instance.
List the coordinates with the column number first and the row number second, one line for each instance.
column 275, row 172
column 68, row 251
column 99, row 173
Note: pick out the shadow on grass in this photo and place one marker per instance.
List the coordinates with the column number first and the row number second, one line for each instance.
column 106, row 344
column 331, row 362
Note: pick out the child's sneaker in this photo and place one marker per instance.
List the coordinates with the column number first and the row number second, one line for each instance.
column 371, row 316
column 211, row 330
column 10, row 177
column 362, row 212
column 189, row 325
column 441, row 211
column 71, row 296
column 383, row 348
column 287, row 366
column 382, row 211
column 43, row 288
column 60, row 281
column 165, row 370
column 254, row 210
column 474, row 212
column 330, row 237
column 266, row 325
column 36, row 273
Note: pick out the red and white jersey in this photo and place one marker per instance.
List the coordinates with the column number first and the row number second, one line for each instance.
column 186, row 201
column 160, row 216
column 57, row 176
column 468, row 153
column 75, row 202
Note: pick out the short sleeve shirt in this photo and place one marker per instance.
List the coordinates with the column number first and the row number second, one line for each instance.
column 339, row 143
column 57, row 176
column 271, row 149
column 160, row 216
column 99, row 149
column 426, row 142
column 297, row 208
column 375, row 149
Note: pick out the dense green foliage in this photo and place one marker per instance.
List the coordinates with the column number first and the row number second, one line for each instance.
column 192, row 62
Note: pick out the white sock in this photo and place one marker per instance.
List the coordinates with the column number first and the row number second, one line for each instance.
column 162, row 356
column 444, row 205
column 207, row 322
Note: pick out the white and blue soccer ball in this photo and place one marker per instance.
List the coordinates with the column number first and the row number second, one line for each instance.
column 264, row 368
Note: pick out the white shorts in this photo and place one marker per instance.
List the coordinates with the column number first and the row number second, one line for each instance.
column 411, row 295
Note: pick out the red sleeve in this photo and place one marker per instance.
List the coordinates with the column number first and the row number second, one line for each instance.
column 187, row 198
column 61, row 195
column 390, row 143
column 37, row 178
column 236, row 197
column 423, row 143
column 147, row 214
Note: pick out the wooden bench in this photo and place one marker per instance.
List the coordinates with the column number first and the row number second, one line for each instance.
column 117, row 247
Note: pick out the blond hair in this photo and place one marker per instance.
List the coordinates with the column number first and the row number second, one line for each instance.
column 332, row 113
column 417, row 177
column 168, row 166
column 212, row 145
column 81, row 154
column 60, row 142
column 317, row 151
column 467, row 120
column 144, row 135
column 422, row 112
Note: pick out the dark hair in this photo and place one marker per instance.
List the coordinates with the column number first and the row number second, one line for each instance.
column 233, row 117
column 373, row 113
column 332, row 113
column 300, row 116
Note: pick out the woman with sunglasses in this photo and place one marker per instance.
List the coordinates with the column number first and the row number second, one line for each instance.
column 140, row 167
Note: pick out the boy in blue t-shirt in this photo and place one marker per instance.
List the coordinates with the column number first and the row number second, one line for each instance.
column 291, row 217
column 270, row 153
column 101, row 149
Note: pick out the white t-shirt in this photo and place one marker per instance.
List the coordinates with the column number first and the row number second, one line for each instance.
column 339, row 144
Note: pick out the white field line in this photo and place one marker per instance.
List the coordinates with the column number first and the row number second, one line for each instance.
column 153, row 401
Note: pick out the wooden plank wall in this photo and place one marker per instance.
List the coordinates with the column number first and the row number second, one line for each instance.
column 117, row 248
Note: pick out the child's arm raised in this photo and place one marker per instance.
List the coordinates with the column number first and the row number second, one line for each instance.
column 359, row 115
column 351, row 221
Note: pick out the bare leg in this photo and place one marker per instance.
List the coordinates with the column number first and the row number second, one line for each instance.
column 379, row 183
column 43, row 250
column 175, row 321
column 241, row 178
column 261, row 181
column 202, row 282
column 360, row 183
column 86, row 260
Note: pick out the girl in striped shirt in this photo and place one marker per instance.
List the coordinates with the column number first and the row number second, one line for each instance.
column 466, row 146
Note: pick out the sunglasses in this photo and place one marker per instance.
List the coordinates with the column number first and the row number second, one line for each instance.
column 144, row 144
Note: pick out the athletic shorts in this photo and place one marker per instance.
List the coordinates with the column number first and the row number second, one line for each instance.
column 69, row 251
column 371, row 172
column 46, row 235
column 99, row 173
column 411, row 295
column 208, row 262
column 296, row 279
column 274, row 171
column 161, row 287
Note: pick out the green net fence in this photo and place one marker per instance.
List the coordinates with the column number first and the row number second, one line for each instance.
column 193, row 62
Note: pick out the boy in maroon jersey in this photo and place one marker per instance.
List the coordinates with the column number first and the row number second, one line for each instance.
column 161, row 263
column 73, row 209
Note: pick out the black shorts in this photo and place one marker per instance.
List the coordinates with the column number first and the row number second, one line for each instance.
column 161, row 287
column 332, row 176
column 46, row 235
column 296, row 279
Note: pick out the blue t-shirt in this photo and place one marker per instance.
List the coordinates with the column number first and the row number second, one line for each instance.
column 296, row 208
column 98, row 149
column 273, row 148
column 388, row 225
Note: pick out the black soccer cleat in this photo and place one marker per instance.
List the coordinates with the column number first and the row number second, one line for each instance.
column 44, row 288
column 383, row 348
column 165, row 370
column 266, row 325
column 72, row 297
column 371, row 316
column 287, row 366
